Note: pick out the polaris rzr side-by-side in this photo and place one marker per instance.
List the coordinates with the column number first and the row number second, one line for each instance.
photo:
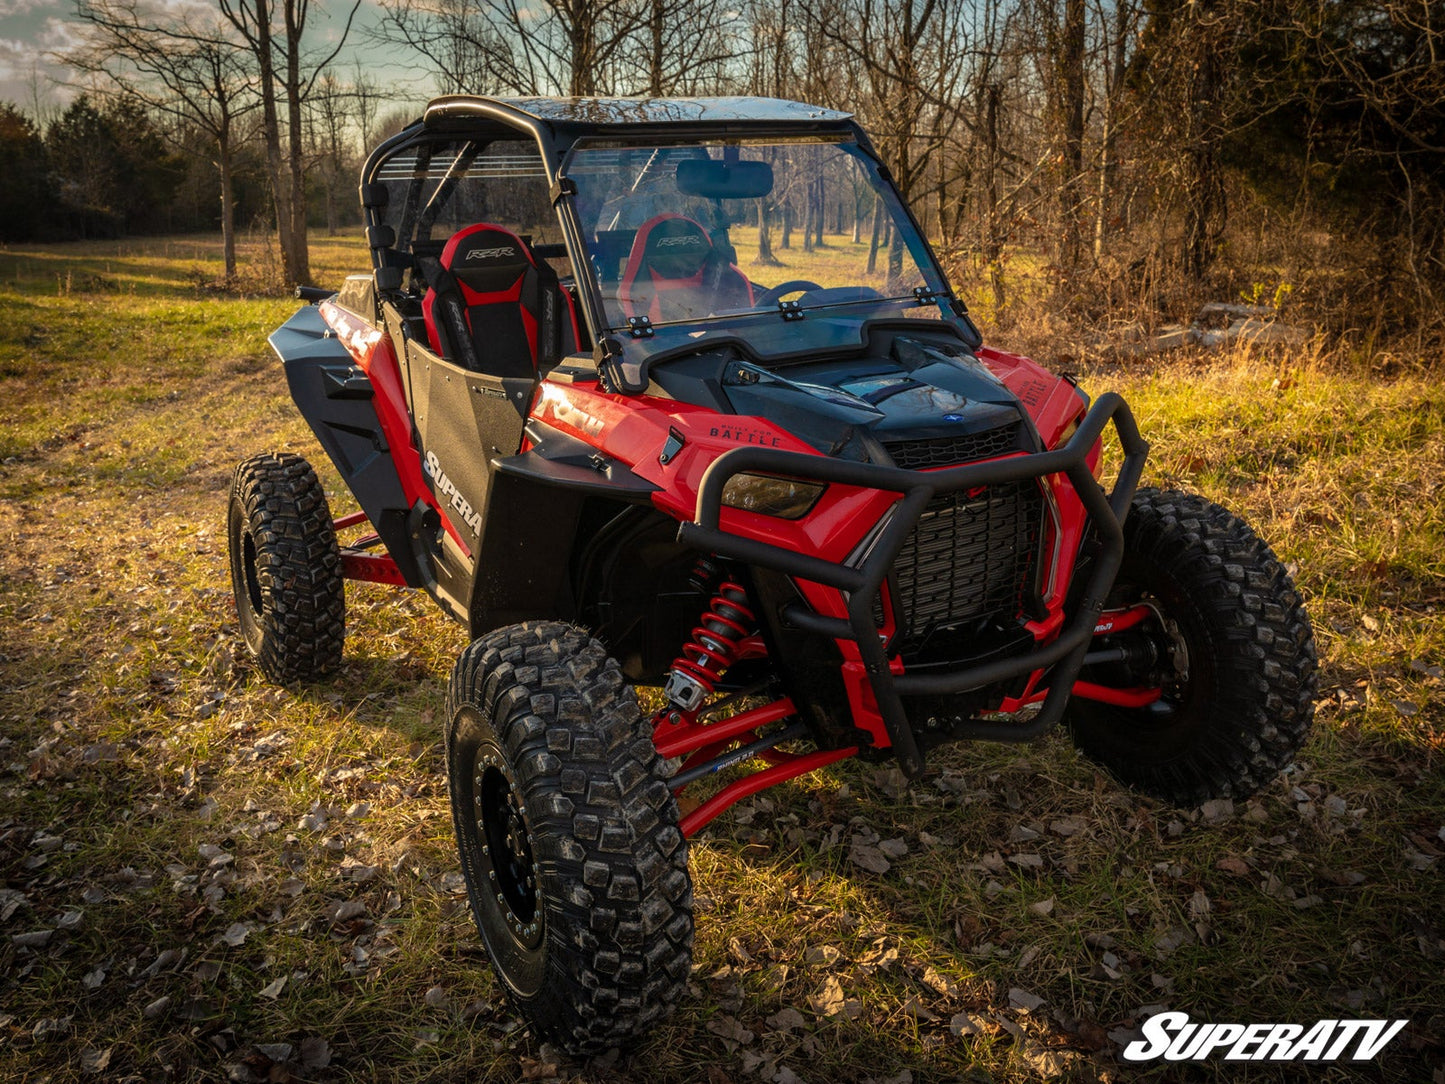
column 812, row 506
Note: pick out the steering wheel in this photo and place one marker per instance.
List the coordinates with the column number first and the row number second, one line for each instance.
column 777, row 293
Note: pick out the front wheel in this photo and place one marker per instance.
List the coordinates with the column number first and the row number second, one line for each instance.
column 574, row 863
column 1228, row 644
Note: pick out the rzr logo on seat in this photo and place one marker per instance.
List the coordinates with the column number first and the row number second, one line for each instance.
column 681, row 239
column 491, row 253
column 446, row 488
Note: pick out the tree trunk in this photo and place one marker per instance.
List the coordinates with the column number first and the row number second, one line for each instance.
column 301, row 257
column 877, row 235
column 1108, row 166
column 765, row 237
column 1106, row 181
column 1066, row 94
column 581, row 33
column 1073, row 64
column 228, row 206
column 940, row 205
column 787, row 239
column 271, row 127
column 1205, row 205
column 992, row 227
column 656, row 15
column 820, row 213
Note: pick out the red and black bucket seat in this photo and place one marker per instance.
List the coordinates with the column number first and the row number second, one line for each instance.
column 491, row 305
column 676, row 272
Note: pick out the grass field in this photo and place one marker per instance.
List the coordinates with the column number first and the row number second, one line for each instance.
column 206, row 878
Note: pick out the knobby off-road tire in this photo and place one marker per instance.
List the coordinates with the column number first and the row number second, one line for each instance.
column 286, row 569
column 1246, row 706
column 574, row 863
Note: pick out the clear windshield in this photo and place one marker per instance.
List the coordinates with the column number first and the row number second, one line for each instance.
column 710, row 232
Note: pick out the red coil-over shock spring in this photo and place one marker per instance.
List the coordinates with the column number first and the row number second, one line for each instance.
column 726, row 622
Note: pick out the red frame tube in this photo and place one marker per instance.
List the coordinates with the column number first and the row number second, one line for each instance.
column 1119, row 698
column 1112, row 621
column 371, row 568
column 678, row 739
column 350, row 520
column 739, row 789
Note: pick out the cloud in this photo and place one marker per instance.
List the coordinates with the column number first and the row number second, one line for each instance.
column 28, row 75
column 58, row 34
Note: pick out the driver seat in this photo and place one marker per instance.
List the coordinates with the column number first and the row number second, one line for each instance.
column 676, row 272
column 492, row 306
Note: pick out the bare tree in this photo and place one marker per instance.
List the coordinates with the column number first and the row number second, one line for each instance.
column 329, row 108
column 681, row 47
column 284, row 64
column 367, row 96
column 1064, row 81
column 197, row 74
column 910, row 57
column 518, row 46
column 461, row 42
column 1117, row 26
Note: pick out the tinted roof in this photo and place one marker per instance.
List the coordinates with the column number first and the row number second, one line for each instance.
column 630, row 111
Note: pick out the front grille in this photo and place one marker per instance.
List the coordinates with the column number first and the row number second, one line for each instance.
column 972, row 556
column 946, row 451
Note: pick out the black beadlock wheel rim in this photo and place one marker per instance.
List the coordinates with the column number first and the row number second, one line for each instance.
column 245, row 575
column 1173, row 722
column 1183, row 699
column 248, row 572
column 504, row 840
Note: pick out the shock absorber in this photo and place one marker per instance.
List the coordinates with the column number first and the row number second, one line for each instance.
column 704, row 575
column 713, row 648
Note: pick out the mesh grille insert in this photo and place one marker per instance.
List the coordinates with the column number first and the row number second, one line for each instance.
column 946, row 451
column 972, row 556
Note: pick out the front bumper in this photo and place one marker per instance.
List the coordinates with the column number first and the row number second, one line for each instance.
column 861, row 583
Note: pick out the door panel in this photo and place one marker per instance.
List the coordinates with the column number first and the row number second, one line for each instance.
column 463, row 419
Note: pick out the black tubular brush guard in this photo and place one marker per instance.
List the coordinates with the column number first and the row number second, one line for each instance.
column 861, row 584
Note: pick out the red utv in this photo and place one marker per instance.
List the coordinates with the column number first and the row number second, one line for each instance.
column 810, row 504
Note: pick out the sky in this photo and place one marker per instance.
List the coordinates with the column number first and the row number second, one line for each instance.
column 32, row 30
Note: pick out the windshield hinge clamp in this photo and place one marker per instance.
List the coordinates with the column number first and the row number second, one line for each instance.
column 640, row 326
column 606, row 352
column 565, row 186
column 791, row 310
column 922, row 295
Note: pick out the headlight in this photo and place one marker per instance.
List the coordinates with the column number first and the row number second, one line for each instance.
column 785, row 498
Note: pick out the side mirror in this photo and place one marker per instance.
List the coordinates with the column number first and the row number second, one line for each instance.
column 719, row 180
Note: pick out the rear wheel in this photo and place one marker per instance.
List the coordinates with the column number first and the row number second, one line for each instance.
column 286, row 569
column 1228, row 644
column 574, row 863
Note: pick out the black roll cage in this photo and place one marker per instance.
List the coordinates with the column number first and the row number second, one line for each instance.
column 557, row 125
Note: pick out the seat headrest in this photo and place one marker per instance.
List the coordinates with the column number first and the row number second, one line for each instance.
column 675, row 247
column 486, row 258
